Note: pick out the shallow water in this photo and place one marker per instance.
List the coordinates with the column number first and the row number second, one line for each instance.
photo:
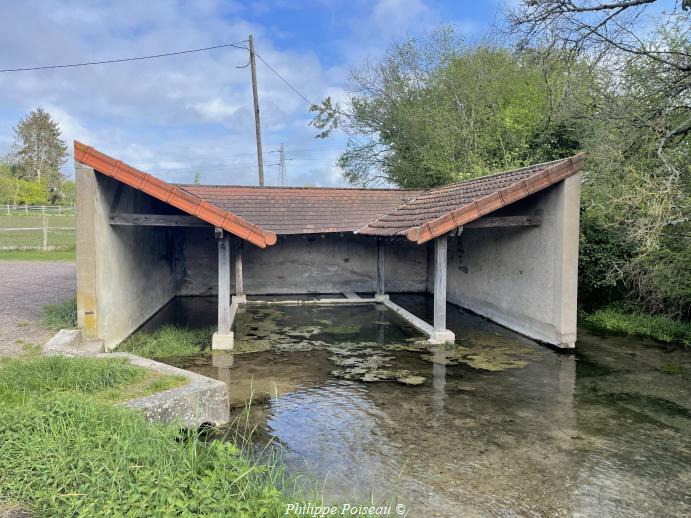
column 506, row 428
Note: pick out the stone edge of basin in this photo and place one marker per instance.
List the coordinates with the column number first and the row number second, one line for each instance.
column 203, row 400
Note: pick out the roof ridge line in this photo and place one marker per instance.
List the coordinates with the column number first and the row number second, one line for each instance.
column 259, row 187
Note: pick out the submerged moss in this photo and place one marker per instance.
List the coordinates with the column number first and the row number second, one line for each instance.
column 489, row 356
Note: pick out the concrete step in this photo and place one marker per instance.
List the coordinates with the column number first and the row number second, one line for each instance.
column 92, row 346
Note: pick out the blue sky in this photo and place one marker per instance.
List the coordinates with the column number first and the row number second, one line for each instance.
column 181, row 115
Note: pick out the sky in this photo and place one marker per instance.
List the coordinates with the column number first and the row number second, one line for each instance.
column 178, row 116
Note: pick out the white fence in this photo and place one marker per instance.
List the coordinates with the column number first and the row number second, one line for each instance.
column 37, row 227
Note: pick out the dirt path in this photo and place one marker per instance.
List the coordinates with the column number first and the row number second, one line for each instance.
column 25, row 287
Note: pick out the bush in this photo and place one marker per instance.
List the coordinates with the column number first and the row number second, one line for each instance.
column 601, row 249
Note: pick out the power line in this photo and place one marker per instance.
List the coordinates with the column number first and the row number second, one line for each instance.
column 301, row 95
column 288, row 84
column 123, row 60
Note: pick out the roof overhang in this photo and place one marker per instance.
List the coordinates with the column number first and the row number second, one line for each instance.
column 172, row 195
column 541, row 180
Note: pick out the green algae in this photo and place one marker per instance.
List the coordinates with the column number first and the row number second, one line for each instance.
column 489, row 356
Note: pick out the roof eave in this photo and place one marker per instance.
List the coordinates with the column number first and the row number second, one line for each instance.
column 514, row 192
column 172, row 195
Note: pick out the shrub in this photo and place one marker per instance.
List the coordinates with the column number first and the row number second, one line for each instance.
column 602, row 248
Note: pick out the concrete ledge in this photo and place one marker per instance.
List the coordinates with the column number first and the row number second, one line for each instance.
column 223, row 342
column 297, row 302
column 202, row 400
column 442, row 337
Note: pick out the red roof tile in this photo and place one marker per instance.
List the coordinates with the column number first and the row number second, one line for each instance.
column 442, row 209
column 172, row 195
column 296, row 210
column 258, row 214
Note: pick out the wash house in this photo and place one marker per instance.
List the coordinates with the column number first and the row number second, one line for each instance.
column 504, row 246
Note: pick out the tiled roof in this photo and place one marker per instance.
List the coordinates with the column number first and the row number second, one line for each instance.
column 295, row 210
column 258, row 214
column 441, row 209
column 172, row 195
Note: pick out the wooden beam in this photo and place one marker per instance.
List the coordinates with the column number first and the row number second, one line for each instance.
column 157, row 220
column 440, row 283
column 506, row 221
column 224, row 317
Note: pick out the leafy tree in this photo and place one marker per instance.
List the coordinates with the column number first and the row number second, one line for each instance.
column 436, row 111
column 38, row 151
column 638, row 183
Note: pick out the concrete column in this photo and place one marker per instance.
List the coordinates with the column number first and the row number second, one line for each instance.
column 565, row 291
column 239, row 288
column 87, row 292
column 440, row 334
column 381, row 294
column 223, row 337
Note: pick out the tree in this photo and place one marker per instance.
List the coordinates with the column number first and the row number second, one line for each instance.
column 436, row 111
column 38, row 151
column 639, row 180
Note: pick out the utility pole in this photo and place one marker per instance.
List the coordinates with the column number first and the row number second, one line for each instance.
column 260, row 158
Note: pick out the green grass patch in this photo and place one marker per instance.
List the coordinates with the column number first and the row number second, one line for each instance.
column 661, row 328
column 168, row 341
column 65, row 452
column 67, row 456
column 38, row 255
column 60, row 316
column 103, row 379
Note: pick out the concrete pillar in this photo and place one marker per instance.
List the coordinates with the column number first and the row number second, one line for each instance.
column 87, row 296
column 223, row 337
column 380, row 294
column 440, row 334
column 239, row 296
column 565, row 292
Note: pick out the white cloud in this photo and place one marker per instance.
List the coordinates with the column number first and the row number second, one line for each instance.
column 180, row 115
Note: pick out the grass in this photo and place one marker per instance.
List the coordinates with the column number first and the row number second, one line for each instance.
column 62, row 315
column 102, row 379
column 661, row 328
column 168, row 341
column 65, row 452
column 38, row 255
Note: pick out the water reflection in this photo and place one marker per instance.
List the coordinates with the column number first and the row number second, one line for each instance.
column 511, row 428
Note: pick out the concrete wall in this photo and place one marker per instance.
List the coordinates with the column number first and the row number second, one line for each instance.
column 524, row 278
column 124, row 274
column 306, row 264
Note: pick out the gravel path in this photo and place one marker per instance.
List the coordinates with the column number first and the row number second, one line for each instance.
column 25, row 287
